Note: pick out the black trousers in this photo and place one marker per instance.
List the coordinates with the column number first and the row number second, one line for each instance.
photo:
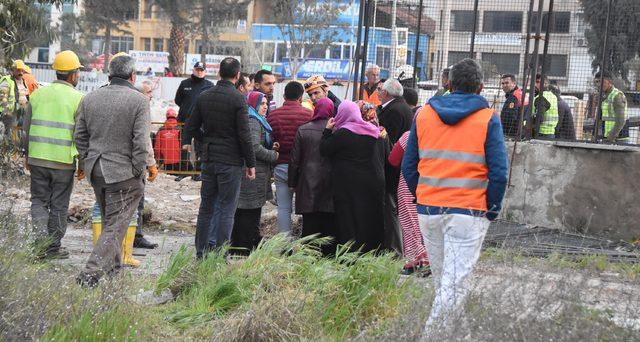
column 245, row 236
column 322, row 224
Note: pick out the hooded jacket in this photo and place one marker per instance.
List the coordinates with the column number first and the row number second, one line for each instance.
column 451, row 110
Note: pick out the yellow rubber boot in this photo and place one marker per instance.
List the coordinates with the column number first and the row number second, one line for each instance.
column 127, row 248
column 97, row 230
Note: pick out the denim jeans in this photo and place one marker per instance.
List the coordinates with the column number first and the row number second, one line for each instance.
column 214, row 220
column 220, row 184
column 284, row 197
column 453, row 242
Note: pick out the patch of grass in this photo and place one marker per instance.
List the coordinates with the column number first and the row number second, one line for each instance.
column 337, row 297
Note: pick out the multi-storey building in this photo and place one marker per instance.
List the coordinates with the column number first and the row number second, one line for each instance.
column 501, row 38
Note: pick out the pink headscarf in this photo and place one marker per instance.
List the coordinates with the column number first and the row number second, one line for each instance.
column 323, row 109
column 350, row 118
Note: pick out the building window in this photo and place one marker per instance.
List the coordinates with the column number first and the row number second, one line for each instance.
column 121, row 44
column 186, row 46
column 456, row 56
column 43, row 55
column 383, row 57
column 132, row 12
column 502, row 63
column 402, row 37
column 502, row 21
column 335, row 51
column 269, row 52
column 148, row 9
column 347, row 52
column 316, row 51
column 555, row 65
column 282, row 51
column 146, row 44
column 158, row 44
column 560, row 24
column 409, row 57
column 462, row 21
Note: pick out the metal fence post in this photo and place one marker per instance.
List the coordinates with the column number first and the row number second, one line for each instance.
column 415, row 51
column 356, row 56
column 472, row 53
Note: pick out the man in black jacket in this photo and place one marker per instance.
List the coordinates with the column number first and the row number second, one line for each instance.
column 394, row 113
column 189, row 90
column 221, row 123
column 510, row 113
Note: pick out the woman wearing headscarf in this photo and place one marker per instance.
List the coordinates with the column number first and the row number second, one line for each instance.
column 412, row 244
column 310, row 175
column 254, row 193
column 357, row 153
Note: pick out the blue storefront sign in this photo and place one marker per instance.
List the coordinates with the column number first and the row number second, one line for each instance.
column 328, row 68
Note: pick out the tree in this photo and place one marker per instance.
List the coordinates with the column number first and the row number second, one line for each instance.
column 215, row 16
column 24, row 24
column 306, row 25
column 109, row 16
column 179, row 12
column 624, row 29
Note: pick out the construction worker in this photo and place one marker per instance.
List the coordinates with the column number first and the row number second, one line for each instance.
column 614, row 109
column 510, row 114
column 444, row 82
column 14, row 95
column 49, row 124
column 317, row 88
column 455, row 163
column 370, row 89
column 30, row 80
column 547, row 107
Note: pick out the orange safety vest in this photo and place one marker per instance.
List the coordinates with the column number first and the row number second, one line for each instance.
column 452, row 167
column 373, row 99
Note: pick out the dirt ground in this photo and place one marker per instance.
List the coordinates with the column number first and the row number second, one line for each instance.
column 171, row 206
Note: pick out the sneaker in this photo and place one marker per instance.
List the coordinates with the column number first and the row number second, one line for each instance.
column 141, row 242
column 179, row 178
column 196, row 178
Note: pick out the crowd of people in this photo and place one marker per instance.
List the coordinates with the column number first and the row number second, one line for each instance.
column 379, row 174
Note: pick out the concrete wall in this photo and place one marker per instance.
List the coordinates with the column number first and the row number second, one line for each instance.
column 576, row 187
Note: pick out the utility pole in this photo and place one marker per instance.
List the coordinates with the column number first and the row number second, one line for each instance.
column 394, row 38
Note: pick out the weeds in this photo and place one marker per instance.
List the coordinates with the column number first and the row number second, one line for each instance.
column 343, row 294
column 285, row 291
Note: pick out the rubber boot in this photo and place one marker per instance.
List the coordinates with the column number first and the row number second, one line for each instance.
column 97, row 230
column 127, row 248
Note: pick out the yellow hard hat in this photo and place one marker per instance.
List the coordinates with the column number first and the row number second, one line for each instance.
column 66, row 61
column 121, row 53
column 27, row 69
column 314, row 82
column 19, row 64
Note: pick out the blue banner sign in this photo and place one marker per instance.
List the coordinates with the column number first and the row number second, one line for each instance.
column 328, row 68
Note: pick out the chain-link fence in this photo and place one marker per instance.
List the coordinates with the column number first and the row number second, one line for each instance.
column 540, row 59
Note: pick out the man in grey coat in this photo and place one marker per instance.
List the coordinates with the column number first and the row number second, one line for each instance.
column 111, row 136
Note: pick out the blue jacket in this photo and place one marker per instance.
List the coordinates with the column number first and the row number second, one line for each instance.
column 451, row 109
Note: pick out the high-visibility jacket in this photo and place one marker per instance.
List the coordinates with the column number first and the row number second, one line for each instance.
column 11, row 95
column 452, row 167
column 373, row 98
column 53, row 111
column 550, row 117
column 608, row 113
column 30, row 82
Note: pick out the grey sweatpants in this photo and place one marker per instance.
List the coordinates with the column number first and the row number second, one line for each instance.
column 118, row 202
column 50, row 193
